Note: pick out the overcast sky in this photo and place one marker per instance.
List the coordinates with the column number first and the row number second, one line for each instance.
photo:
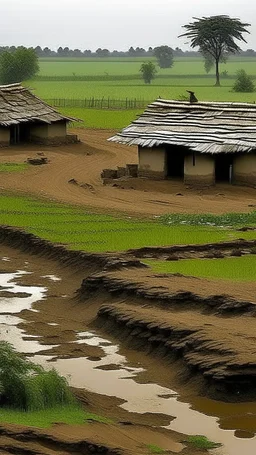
column 113, row 24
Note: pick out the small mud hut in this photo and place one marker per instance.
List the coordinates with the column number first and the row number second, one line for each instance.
column 200, row 143
column 26, row 118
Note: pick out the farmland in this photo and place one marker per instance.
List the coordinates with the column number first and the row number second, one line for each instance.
column 88, row 231
column 120, row 79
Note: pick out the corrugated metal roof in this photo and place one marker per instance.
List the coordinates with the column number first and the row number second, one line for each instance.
column 206, row 127
column 18, row 104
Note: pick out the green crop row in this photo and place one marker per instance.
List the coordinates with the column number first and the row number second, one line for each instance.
column 81, row 229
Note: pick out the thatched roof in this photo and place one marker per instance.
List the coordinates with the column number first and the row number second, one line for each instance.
column 18, row 104
column 206, row 127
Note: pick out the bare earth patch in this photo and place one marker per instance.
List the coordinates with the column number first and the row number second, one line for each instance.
column 84, row 162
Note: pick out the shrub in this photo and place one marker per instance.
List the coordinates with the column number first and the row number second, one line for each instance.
column 148, row 71
column 202, row 442
column 244, row 82
column 27, row 386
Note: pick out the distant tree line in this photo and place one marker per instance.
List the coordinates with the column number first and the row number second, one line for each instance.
column 104, row 53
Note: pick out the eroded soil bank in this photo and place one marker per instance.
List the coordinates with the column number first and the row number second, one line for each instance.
column 130, row 304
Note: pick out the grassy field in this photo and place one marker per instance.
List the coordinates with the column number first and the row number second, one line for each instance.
column 187, row 73
column 172, row 89
column 122, row 66
column 233, row 268
column 100, row 118
column 80, row 229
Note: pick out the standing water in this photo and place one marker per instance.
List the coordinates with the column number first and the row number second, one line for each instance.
column 112, row 375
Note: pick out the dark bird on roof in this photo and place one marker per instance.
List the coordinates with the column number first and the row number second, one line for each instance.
column 192, row 98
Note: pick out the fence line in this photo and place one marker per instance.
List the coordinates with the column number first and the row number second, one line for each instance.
column 99, row 103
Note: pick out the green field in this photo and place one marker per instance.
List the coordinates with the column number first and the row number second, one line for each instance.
column 137, row 89
column 187, row 66
column 100, row 118
column 81, row 229
column 232, row 268
column 119, row 79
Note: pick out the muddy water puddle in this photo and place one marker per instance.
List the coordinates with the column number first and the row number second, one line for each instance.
column 233, row 425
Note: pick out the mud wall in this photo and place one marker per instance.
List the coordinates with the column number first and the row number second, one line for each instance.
column 199, row 169
column 152, row 162
column 244, row 169
column 57, row 129
column 38, row 131
column 4, row 137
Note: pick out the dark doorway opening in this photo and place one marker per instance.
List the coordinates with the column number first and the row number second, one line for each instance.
column 175, row 161
column 19, row 133
column 223, row 168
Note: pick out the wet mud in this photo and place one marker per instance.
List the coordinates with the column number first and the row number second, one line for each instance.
column 181, row 346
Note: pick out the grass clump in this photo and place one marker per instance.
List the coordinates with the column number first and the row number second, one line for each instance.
column 202, row 442
column 28, row 387
column 155, row 449
column 13, row 167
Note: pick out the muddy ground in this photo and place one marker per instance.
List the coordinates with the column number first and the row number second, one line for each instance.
column 84, row 162
column 131, row 432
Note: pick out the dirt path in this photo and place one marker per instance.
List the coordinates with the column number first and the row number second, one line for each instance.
column 84, row 163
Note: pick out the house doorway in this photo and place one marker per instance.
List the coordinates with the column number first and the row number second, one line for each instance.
column 224, row 168
column 19, row 133
column 175, row 162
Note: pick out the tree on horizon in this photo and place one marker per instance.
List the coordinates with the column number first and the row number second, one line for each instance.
column 216, row 37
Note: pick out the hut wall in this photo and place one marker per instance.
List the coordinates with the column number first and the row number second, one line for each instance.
column 57, row 129
column 39, row 131
column 4, row 137
column 152, row 162
column 244, row 169
column 50, row 134
column 199, row 169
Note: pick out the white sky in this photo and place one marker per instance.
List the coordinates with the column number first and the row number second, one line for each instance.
column 113, row 24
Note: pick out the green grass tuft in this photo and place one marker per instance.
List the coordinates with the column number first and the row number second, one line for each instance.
column 155, row 449
column 202, row 442
column 13, row 167
column 27, row 386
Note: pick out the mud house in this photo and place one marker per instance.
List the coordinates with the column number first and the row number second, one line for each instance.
column 26, row 118
column 201, row 143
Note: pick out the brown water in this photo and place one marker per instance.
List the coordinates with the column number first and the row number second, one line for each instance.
column 233, row 425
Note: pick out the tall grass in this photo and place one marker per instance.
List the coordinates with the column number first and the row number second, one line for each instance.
column 27, row 386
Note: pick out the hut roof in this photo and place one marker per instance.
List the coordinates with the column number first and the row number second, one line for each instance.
column 206, row 127
column 18, row 104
